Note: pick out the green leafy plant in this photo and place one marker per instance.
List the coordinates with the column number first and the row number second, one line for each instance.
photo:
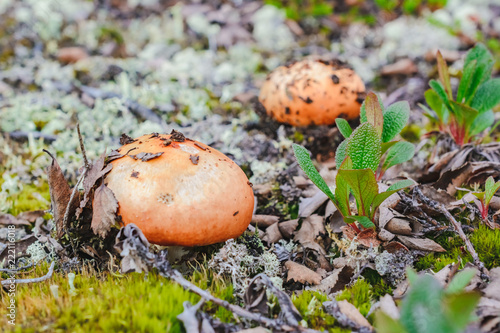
column 358, row 159
column 490, row 188
column 299, row 9
column 428, row 307
column 470, row 112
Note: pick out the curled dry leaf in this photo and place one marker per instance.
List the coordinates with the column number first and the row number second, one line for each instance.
column 7, row 219
column 423, row 244
column 146, row 156
column 302, row 274
column 105, row 206
column 287, row 228
column 347, row 315
column 273, row 234
column 95, row 172
column 60, row 193
column 134, row 248
column 264, row 221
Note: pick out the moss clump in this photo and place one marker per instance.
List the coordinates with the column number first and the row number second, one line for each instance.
column 106, row 303
column 310, row 306
column 487, row 244
column 31, row 197
column 379, row 286
column 359, row 294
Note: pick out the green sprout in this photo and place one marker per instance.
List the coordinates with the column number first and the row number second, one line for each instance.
column 428, row 307
column 490, row 188
column 470, row 112
column 358, row 159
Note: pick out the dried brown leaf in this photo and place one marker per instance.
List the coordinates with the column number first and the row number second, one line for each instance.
column 423, row 244
column 95, row 172
column 60, row 193
column 104, row 206
column 301, row 273
column 273, row 234
column 353, row 313
column 264, row 221
column 7, row 219
column 31, row 216
column 287, row 228
column 146, row 156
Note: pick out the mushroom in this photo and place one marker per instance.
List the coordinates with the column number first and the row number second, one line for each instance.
column 312, row 92
column 179, row 191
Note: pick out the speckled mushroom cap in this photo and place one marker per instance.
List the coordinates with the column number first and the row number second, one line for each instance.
column 312, row 92
column 190, row 195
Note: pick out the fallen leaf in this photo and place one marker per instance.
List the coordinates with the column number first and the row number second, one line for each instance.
column 301, row 273
column 328, row 284
column 95, row 172
column 399, row 226
column 388, row 305
column 492, row 290
column 60, row 193
column 264, row 221
column 393, row 247
column 273, row 234
column 308, row 206
column 7, row 219
column 72, row 54
column 353, row 314
column 146, row 156
column 423, row 244
column 287, row 228
column 367, row 237
column 104, row 207
column 402, row 67
column 31, row 216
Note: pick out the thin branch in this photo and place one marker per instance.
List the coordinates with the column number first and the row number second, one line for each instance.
column 17, row 269
column 458, row 228
column 268, row 322
column 82, row 146
column 40, row 279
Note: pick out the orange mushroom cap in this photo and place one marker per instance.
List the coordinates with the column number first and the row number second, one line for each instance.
column 312, row 92
column 190, row 195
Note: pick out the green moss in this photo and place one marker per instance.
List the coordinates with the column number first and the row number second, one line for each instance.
column 379, row 287
column 31, row 197
column 107, row 303
column 310, row 306
column 487, row 244
column 359, row 294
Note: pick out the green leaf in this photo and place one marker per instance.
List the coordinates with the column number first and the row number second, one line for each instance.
column 459, row 310
column 305, row 163
column 363, row 220
column 401, row 152
column 344, row 127
column 364, row 187
column 379, row 198
column 487, row 96
column 465, row 82
column 342, row 194
column 364, row 147
column 437, row 105
column 385, row 323
column 362, row 111
column 422, row 309
column 340, row 153
column 460, row 281
column 395, row 118
column 374, row 114
column 439, row 89
column 482, row 122
column 490, row 188
column 386, row 145
column 464, row 115
column 482, row 71
column 444, row 75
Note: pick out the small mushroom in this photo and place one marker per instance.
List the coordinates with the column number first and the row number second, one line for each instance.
column 180, row 192
column 312, row 92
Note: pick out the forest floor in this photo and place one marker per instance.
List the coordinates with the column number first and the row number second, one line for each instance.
column 431, row 264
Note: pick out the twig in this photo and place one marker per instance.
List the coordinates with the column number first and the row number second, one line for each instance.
column 40, row 279
column 82, row 146
column 167, row 271
column 458, row 228
column 23, row 136
column 17, row 269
